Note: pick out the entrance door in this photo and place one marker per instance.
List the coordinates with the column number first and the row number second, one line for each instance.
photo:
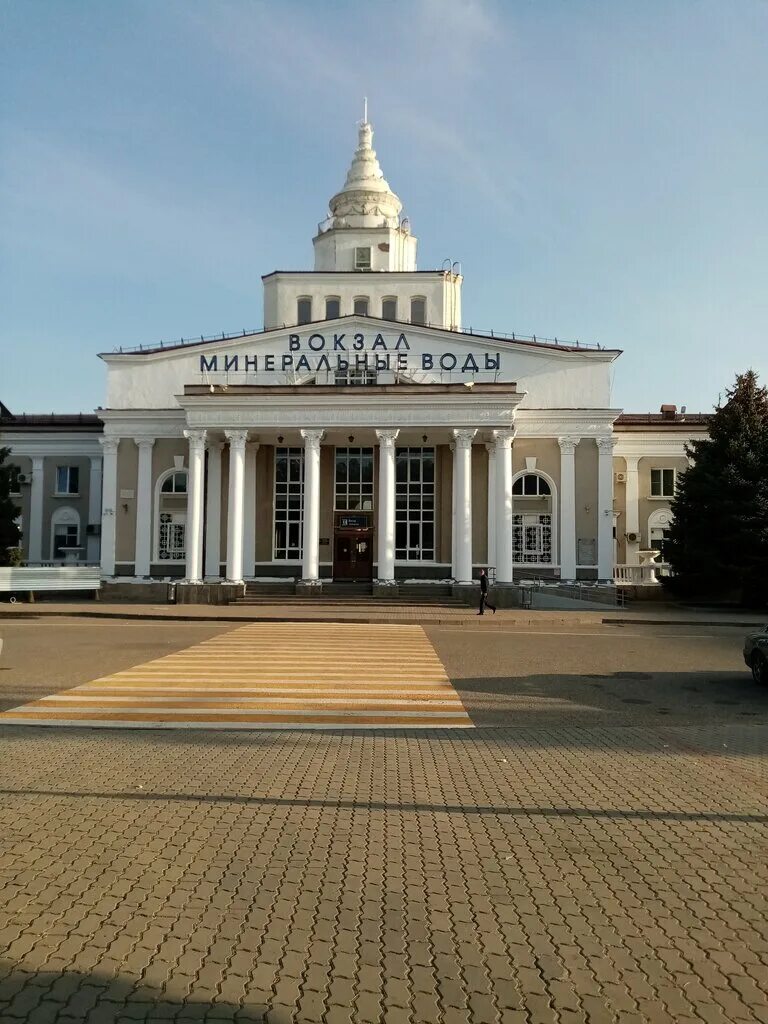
column 353, row 547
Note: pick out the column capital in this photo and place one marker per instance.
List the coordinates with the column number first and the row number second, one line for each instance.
column 312, row 439
column 568, row 444
column 253, row 446
column 606, row 444
column 387, row 437
column 490, row 447
column 144, row 442
column 463, row 438
column 215, row 446
column 237, row 439
column 196, row 439
column 109, row 445
column 503, row 438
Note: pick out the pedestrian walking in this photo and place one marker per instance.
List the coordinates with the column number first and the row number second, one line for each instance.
column 484, row 602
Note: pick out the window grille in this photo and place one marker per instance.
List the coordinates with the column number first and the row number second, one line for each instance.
column 415, row 504
column 531, row 538
column 354, row 479
column 289, row 504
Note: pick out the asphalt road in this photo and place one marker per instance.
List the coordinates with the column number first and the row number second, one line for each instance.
column 612, row 675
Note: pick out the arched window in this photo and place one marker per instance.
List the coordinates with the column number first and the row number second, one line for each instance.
column 418, row 310
column 332, row 307
column 171, row 516
column 361, row 305
column 533, row 537
column 389, row 308
column 659, row 524
column 65, row 531
column 304, row 310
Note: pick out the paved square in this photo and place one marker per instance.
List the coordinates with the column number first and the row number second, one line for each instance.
column 564, row 866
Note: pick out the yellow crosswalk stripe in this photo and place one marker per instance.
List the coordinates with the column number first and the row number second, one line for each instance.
column 271, row 676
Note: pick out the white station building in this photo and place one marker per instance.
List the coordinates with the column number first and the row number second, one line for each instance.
column 362, row 435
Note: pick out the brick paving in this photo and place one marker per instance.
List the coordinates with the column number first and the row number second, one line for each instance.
column 514, row 875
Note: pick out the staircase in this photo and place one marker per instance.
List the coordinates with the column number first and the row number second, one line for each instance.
column 428, row 595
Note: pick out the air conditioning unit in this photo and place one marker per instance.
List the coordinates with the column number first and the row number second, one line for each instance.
column 22, row 478
column 633, row 538
column 620, row 478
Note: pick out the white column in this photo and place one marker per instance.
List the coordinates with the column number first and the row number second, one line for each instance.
column 386, row 518
column 632, row 495
column 454, row 566
column 109, row 446
column 237, row 440
column 462, row 477
column 249, row 515
column 568, row 507
column 504, row 548
column 605, row 447
column 35, row 530
column 491, row 527
column 92, row 542
column 195, row 490
column 143, row 507
column 310, row 566
column 213, row 512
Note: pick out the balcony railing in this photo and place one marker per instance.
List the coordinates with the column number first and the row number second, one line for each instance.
column 640, row 575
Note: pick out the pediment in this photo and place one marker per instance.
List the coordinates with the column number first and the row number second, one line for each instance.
column 317, row 353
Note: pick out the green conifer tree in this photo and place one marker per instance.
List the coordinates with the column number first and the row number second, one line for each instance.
column 718, row 545
column 9, row 531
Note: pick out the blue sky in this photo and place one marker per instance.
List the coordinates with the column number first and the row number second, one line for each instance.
column 600, row 169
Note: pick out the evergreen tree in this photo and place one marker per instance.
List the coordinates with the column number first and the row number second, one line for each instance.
column 718, row 543
column 9, row 531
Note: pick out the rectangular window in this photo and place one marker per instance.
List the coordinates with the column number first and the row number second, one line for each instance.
column 361, row 305
column 363, row 257
column 389, row 309
column 662, row 483
column 289, row 504
column 418, row 311
column 354, row 480
column 304, row 311
column 67, row 480
column 332, row 307
column 415, row 504
column 13, row 480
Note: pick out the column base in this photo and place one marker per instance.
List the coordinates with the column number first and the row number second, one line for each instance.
column 384, row 588
column 309, row 588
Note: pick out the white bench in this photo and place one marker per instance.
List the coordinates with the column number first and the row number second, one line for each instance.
column 33, row 579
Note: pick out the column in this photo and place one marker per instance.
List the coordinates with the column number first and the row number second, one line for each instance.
column 632, row 495
column 143, row 506
column 605, row 447
column 568, row 507
column 109, row 446
column 491, row 523
column 504, row 547
column 213, row 512
column 454, row 567
column 249, row 516
column 35, row 532
column 93, row 543
column 310, row 565
column 237, row 440
column 462, row 482
column 195, row 490
column 386, row 517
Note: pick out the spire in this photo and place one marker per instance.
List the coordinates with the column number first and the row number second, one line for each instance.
column 366, row 200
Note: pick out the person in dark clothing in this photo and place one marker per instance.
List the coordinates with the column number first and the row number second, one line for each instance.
column 484, row 603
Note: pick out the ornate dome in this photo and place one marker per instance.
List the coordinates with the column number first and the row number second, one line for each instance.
column 366, row 200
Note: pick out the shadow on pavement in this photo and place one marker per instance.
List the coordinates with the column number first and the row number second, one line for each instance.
column 49, row 996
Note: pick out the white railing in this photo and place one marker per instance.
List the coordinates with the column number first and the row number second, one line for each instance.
column 640, row 575
column 30, row 579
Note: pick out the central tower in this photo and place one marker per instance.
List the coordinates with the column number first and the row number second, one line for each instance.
column 364, row 230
